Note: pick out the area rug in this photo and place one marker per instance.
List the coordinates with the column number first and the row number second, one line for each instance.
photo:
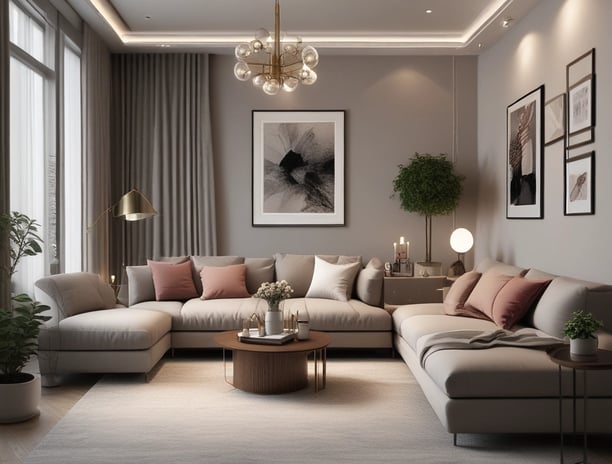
column 372, row 411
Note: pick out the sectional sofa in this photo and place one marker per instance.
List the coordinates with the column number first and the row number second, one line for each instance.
column 505, row 382
column 182, row 302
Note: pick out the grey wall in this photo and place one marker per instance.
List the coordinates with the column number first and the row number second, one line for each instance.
column 394, row 106
column 535, row 52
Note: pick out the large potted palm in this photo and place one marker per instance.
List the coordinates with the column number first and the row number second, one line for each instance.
column 429, row 186
column 20, row 321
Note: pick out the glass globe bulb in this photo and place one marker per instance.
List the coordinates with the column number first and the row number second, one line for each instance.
column 257, row 45
column 242, row 71
column 243, row 51
column 262, row 34
column 290, row 49
column 290, row 84
column 308, row 76
column 310, row 56
column 271, row 87
column 259, row 80
column 461, row 240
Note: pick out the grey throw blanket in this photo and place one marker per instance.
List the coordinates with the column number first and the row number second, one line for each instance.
column 477, row 340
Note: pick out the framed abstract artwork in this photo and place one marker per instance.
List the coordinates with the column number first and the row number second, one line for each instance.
column 298, row 168
column 554, row 119
column 580, row 82
column 580, row 184
column 524, row 165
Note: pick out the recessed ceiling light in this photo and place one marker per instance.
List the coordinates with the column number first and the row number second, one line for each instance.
column 429, row 11
column 480, row 45
column 506, row 22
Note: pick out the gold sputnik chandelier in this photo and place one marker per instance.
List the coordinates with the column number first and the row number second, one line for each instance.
column 274, row 64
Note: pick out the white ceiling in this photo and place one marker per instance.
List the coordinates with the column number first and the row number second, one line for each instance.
column 333, row 26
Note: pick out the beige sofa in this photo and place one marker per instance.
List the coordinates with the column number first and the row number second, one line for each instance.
column 505, row 389
column 90, row 332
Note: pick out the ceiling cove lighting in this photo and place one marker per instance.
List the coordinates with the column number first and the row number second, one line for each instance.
column 274, row 64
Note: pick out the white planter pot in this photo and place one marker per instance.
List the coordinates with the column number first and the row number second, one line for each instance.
column 583, row 346
column 19, row 400
column 274, row 322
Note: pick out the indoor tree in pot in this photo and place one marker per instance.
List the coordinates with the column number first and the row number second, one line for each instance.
column 430, row 187
column 580, row 329
column 20, row 321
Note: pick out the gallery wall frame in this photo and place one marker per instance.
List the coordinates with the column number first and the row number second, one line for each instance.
column 581, row 98
column 554, row 120
column 298, row 168
column 579, row 185
column 524, row 161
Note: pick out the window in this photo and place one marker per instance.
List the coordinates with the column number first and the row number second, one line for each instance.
column 45, row 150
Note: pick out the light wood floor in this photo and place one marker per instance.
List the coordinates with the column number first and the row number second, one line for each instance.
column 17, row 440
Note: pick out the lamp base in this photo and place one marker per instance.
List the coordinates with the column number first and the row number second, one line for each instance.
column 456, row 269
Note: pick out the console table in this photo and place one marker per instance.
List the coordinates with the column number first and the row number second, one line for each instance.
column 411, row 290
column 562, row 357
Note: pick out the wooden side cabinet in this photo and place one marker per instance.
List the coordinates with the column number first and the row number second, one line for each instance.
column 410, row 290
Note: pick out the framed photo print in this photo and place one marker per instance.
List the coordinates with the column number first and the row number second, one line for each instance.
column 554, row 120
column 580, row 82
column 524, row 146
column 580, row 185
column 298, row 168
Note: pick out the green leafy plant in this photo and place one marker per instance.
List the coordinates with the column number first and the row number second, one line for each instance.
column 20, row 322
column 581, row 325
column 430, row 187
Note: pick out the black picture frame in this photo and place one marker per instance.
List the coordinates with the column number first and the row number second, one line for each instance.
column 554, row 120
column 298, row 168
column 579, row 185
column 524, row 160
column 581, row 101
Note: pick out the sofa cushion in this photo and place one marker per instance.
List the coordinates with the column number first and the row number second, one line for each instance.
column 76, row 293
column 333, row 281
column 369, row 284
column 224, row 282
column 198, row 262
column 499, row 268
column 113, row 330
column 459, row 292
column 172, row 281
column 259, row 270
column 565, row 295
column 515, row 299
column 296, row 270
column 140, row 280
column 217, row 315
column 480, row 301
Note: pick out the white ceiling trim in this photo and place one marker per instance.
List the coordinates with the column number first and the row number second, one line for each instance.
column 357, row 41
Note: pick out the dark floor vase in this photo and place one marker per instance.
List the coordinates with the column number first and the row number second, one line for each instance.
column 19, row 401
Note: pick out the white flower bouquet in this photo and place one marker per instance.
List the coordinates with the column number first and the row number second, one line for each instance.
column 274, row 292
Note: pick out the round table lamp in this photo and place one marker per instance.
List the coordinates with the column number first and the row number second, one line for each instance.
column 461, row 241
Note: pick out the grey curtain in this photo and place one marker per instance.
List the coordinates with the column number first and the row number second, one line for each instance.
column 161, row 145
column 96, row 80
column 5, row 291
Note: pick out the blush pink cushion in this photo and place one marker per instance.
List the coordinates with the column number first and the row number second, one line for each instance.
column 515, row 299
column 224, row 282
column 484, row 293
column 459, row 292
column 172, row 281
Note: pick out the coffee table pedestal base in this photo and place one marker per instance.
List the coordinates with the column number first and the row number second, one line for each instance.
column 270, row 373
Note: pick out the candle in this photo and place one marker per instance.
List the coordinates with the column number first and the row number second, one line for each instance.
column 407, row 250
column 395, row 251
column 401, row 240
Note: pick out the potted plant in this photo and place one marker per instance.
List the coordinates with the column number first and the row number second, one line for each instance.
column 20, row 321
column 580, row 329
column 430, row 187
column 273, row 293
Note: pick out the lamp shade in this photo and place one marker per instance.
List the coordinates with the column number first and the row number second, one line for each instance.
column 134, row 206
column 461, row 240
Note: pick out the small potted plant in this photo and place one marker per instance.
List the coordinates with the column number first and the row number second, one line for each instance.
column 20, row 321
column 580, row 329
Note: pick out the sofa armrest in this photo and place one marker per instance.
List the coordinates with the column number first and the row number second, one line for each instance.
column 369, row 285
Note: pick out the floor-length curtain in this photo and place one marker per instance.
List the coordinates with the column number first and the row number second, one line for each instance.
column 96, row 82
column 4, row 149
column 161, row 145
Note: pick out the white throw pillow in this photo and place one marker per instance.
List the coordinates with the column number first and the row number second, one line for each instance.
column 332, row 281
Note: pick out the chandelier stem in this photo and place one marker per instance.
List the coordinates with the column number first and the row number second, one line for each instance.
column 276, row 53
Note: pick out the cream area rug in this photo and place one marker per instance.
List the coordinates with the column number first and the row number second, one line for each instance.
column 372, row 411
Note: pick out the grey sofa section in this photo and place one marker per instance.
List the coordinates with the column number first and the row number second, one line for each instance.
column 90, row 332
column 508, row 389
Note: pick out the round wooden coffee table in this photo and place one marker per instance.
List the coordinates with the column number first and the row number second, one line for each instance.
column 272, row 369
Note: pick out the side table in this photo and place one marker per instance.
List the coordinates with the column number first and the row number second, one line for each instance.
column 409, row 290
column 562, row 357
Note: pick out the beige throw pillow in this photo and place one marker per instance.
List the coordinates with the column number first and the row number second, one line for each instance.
column 332, row 281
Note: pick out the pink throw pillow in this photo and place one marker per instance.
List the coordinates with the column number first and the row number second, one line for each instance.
column 172, row 281
column 515, row 299
column 459, row 292
column 224, row 282
column 484, row 293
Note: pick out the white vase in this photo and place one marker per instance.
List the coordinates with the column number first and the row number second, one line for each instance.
column 274, row 322
column 583, row 346
column 19, row 400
